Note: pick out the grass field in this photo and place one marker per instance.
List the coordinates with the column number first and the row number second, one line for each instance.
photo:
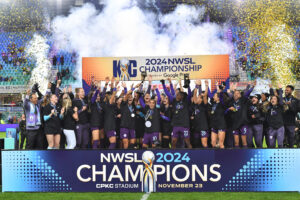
column 154, row 196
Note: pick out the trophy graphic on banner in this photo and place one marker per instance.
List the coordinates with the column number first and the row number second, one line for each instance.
column 124, row 65
column 149, row 178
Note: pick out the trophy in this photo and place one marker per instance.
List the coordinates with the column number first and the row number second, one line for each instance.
column 186, row 80
column 35, row 88
column 143, row 75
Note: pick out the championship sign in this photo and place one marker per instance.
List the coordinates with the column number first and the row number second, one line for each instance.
column 215, row 67
column 151, row 170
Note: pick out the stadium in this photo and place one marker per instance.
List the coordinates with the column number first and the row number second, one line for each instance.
column 150, row 99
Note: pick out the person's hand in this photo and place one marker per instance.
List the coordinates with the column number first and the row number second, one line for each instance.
column 65, row 90
column 75, row 109
column 217, row 84
column 154, row 87
column 150, row 78
column 117, row 82
column 192, row 117
column 84, row 108
column 70, row 89
column 58, row 82
column 106, row 80
column 52, row 112
column 123, row 84
column 288, row 103
column 206, row 83
column 254, row 83
column 62, row 110
column 170, row 81
column 28, row 92
column 231, row 108
column 270, row 85
column 138, row 85
column 161, row 113
column 99, row 85
column 118, row 88
column 198, row 82
column 253, row 116
column 119, row 116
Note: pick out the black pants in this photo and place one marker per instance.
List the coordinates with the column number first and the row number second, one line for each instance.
column 23, row 136
column 34, row 139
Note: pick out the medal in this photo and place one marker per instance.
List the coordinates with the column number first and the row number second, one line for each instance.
column 132, row 115
column 148, row 124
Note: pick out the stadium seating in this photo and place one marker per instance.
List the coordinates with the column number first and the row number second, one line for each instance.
column 14, row 72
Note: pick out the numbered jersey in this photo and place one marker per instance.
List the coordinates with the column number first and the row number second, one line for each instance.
column 152, row 118
column 180, row 114
column 200, row 122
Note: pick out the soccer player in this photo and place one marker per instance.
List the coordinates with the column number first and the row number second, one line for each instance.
column 180, row 117
column 199, row 115
column 238, row 113
column 52, row 116
column 275, row 119
column 217, row 118
column 256, row 119
column 82, row 125
column 109, row 116
column 128, row 114
column 97, row 116
column 70, row 116
column 290, row 108
column 152, row 121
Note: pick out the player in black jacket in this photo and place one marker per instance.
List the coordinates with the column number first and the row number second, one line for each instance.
column 275, row 120
column 290, row 112
column 199, row 116
column 256, row 119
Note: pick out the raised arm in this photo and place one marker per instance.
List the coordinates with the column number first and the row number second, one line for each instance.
column 94, row 97
column 114, row 90
column 142, row 102
column 247, row 92
column 171, row 87
column 158, row 96
column 26, row 100
column 167, row 92
column 280, row 92
column 189, row 94
column 149, row 86
column 205, row 100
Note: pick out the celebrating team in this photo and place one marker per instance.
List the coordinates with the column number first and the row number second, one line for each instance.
column 153, row 118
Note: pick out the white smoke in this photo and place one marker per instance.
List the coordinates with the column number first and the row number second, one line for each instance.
column 124, row 29
column 37, row 49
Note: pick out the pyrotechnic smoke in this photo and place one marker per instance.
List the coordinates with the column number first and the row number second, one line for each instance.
column 124, row 29
column 37, row 49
